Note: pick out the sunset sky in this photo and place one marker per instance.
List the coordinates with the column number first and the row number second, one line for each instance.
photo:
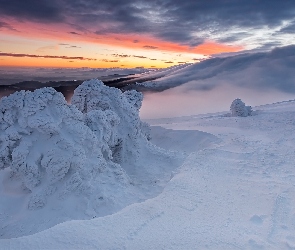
column 138, row 33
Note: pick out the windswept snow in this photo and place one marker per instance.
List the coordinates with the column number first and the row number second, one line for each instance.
column 236, row 193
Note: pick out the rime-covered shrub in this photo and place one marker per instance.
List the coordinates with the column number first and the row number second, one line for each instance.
column 238, row 108
column 93, row 97
column 50, row 145
column 134, row 98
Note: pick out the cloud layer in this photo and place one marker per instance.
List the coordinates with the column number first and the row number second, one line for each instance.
column 211, row 85
column 264, row 70
column 251, row 23
column 47, row 56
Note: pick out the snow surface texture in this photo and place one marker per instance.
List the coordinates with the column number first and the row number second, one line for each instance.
column 236, row 194
column 238, row 108
column 61, row 162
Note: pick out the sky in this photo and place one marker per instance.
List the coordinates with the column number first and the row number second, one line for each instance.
column 138, row 33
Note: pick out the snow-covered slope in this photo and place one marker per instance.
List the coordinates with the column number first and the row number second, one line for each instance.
column 237, row 193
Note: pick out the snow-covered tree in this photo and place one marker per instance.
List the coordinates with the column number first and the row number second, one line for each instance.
column 93, row 97
column 52, row 147
column 44, row 142
column 238, row 108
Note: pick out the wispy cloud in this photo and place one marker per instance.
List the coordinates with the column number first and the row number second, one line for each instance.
column 140, row 57
column 74, row 33
column 109, row 61
column 149, row 47
column 46, row 48
column 69, row 46
column 48, row 56
column 5, row 25
column 121, row 55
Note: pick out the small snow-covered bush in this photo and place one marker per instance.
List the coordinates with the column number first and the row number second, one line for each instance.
column 238, row 108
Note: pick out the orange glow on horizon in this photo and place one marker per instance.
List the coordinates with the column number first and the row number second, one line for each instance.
column 60, row 63
column 61, row 33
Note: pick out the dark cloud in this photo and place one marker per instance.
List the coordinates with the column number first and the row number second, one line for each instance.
column 74, row 33
column 45, row 11
column 185, row 22
column 47, row 56
column 140, row 57
column 5, row 25
column 169, row 62
column 149, row 47
column 120, row 55
column 109, row 61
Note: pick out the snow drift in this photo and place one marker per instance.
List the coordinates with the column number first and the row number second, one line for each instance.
column 74, row 161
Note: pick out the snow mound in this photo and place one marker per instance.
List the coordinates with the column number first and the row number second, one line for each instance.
column 64, row 162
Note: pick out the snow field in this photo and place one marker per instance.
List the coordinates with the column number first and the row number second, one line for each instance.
column 237, row 192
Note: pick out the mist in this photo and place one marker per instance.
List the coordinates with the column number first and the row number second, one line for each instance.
column 185, row 101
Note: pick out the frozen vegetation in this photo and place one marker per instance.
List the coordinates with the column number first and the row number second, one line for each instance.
column 61, row 162
column 238, row 108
